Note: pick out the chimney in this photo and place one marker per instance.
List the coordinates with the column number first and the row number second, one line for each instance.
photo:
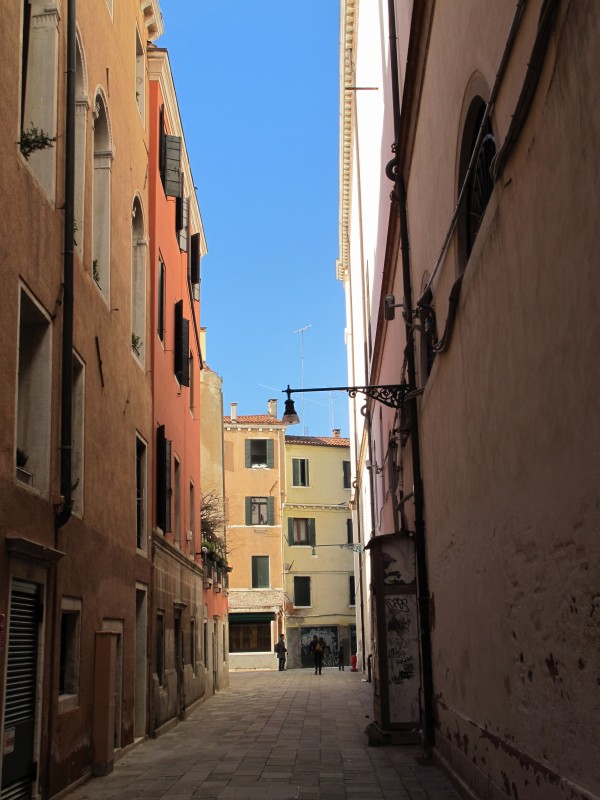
column 272, row 406
column 336, row 433
column 234, row 412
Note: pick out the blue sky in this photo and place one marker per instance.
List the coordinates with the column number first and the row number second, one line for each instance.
column 257, row 85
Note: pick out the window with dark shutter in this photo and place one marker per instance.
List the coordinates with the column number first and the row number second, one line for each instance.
column 346, row 470
column 270, row 511
column 162, row 277
column 260, row 572
column 349, row 531
column 163, row 480
column 182, row 214
column 301, row 591
column 171, row 174
column 195, row 258
column 352, row 590
column 182, row 346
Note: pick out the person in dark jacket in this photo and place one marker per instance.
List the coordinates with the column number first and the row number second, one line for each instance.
column 281, row 650
column 317, row 647
column 340, row 658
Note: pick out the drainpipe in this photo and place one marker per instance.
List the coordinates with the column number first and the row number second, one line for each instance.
column 63, row 511
column 393, row 171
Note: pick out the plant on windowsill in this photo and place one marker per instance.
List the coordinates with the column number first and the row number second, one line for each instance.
column 95, row 273
column 136, row 344
column 23, row 475
column 33, row 139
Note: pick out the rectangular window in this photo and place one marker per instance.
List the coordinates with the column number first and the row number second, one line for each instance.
column 77, row 437
column 260, row 572
column 177, row 500
column 140, row 492
column 169, row 160
column 195, row 259
column 162, row 277
column 300, row 472
column 250, row 637
column 192, row 507
column 160, row 647
column 347, row 474
column 301, row 531
column 33, row 396
column 182, row 214
column 352, row 587
column 191, row 382
column 260, row 453
column 205, row 643
column 259, row 510
column 349, row 531
column 163, row 480
column 301, row 591
column 70, row 639
column 193, row 645
column 182, row 346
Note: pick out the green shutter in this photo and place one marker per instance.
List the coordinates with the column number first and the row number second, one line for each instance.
column 312, row 536
column 181, row 346
column 248, row 511
column 295, row 472
column 195, row 258
column 254, row 572
column 270, row 453
column 270, row 511
column 163, row 480
column 247, row 445
column 172, row 163
column 306, row 472
column 291, row 531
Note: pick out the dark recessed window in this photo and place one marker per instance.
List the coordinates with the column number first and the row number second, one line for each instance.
column 481, row 183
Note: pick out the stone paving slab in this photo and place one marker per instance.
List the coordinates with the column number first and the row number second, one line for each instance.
column 273, row 736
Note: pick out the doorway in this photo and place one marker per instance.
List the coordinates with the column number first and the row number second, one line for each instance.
column 19, row 769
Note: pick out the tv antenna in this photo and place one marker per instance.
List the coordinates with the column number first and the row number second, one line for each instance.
column 301, row 332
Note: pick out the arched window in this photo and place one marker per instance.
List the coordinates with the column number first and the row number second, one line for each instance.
column 138, row 281
column 480, row 183
column 81, row 109
column 39, row 87
column 101, row 197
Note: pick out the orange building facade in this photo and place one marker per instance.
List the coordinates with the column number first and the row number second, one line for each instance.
column 177, row 244
column 254, row 459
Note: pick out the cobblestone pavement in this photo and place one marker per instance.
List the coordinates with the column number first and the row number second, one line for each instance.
column 274, row 736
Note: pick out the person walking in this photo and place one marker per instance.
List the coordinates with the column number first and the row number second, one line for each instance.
column 281, row 650
column 341, row 658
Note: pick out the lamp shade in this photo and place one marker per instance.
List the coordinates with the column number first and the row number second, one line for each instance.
column 289, row 415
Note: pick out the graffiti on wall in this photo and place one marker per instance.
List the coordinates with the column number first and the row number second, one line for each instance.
column 330, row 637
column 401, row 623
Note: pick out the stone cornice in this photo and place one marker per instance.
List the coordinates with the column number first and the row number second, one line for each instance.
column 348, row 20
column 152, row 19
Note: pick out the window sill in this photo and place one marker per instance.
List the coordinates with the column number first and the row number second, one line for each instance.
column 67, row 702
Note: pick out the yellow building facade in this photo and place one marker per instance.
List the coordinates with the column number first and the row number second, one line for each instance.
column 318, row 549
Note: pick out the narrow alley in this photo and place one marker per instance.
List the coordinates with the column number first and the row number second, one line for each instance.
column 281, row 736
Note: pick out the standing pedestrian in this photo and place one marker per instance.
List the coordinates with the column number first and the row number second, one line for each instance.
column 317, row 647
column 281, row 650
column 341, row 658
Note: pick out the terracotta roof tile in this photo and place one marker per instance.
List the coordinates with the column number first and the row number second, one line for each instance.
column 335, row 441
column 253, row 419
